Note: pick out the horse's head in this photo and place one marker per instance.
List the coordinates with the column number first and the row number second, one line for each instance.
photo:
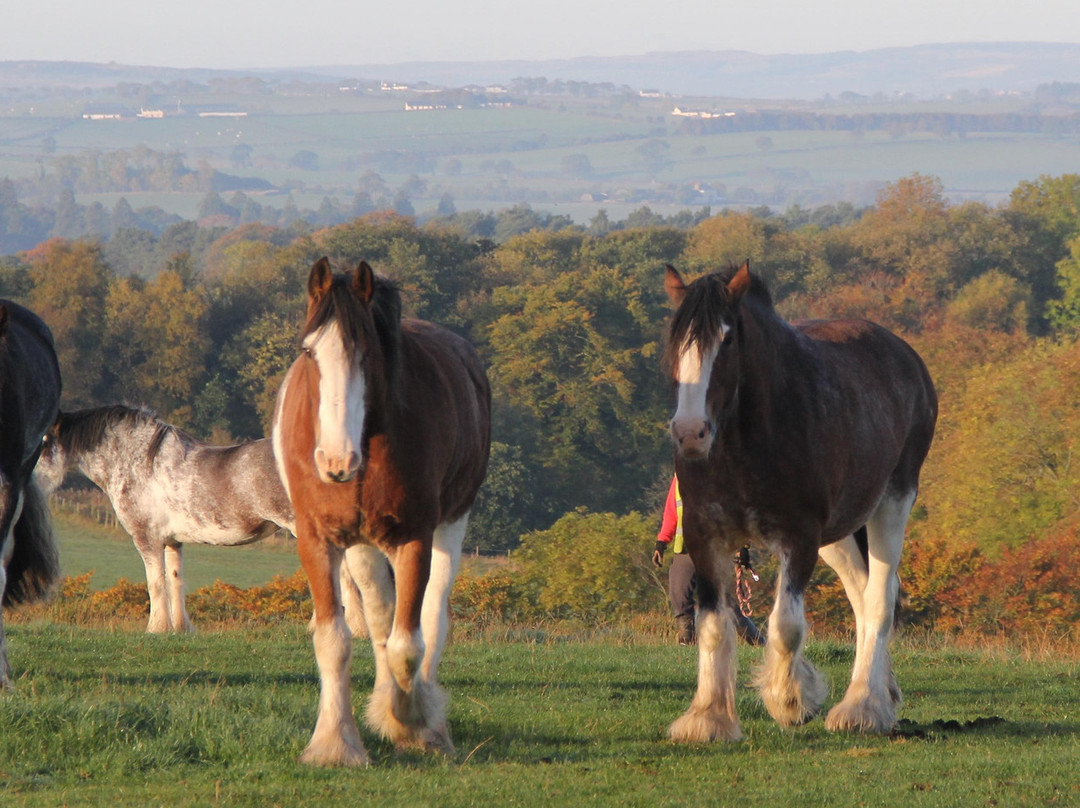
column 54, row 460
column 343, row 343
column 700, row 354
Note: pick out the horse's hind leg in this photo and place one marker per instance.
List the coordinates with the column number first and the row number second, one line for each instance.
column 711, row 715
column 871, row 699
column 372, row 602
column 174, row 580
column 793, row 690
column 848, row 563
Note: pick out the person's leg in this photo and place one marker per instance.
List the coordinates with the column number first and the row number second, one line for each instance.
column 681, row 594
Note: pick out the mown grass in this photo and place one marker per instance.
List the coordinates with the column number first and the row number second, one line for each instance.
column 105, row 717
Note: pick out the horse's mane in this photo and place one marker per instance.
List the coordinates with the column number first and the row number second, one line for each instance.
column 83, row 431
column 706, row 304
column 383, row 325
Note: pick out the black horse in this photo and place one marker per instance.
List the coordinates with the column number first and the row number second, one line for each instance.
column 29, row 404
column 793, row 437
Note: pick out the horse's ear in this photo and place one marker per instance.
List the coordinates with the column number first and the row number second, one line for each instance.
column 320, row 279
column 364, row 282
column 673, row 285
column 740, row 282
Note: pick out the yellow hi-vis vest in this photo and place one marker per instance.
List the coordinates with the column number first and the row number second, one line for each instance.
column 677, row 544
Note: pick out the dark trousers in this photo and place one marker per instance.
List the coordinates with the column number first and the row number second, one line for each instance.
column 681, row 585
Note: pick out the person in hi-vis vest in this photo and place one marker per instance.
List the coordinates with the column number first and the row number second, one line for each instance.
column 681, row 580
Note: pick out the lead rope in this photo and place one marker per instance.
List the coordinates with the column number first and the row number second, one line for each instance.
column 742, row 582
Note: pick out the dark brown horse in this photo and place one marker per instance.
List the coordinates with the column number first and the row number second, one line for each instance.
column 792, row 436
column 381, row 434
column 29, row 401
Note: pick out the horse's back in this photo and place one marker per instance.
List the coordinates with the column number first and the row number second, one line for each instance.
column 881, row 401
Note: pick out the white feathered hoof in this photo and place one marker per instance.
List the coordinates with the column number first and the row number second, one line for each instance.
column 334, row 751
column 869, row 715
column 416, row 719
column 793, row 699
column 701, row 725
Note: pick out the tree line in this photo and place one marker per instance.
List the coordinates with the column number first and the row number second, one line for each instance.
column 570, row 322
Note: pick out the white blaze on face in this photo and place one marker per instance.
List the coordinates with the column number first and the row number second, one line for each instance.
column 341, row 406
column 691, row 427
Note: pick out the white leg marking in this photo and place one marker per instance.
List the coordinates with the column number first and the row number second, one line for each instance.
column 154, row 561
column 336, row 739
column 712, row 716
column 873, row 695
column 5, row 668
column 435, row 614
column 793, row 690
column 846, row 561
column 174, row 576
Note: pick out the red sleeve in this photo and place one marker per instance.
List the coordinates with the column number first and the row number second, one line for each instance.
column 671, row 516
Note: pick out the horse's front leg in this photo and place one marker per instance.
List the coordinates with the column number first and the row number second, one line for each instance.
column 793, row 690
column 409, row 709
column 336, row 739
column 712, row 714
column 174, row 578
column 153, row 557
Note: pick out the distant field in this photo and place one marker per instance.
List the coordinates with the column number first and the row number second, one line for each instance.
column 491, row 158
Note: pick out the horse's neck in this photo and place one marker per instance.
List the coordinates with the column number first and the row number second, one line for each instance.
column 772, row 362
column 115, row 458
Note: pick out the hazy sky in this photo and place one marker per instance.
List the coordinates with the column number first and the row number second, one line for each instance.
column 275, row 33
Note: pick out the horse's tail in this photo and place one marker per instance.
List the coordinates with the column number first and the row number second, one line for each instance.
column 35, row 562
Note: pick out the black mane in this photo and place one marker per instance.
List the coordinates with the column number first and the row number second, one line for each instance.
column 708, row 303
column 383, row 325
column 83, row 430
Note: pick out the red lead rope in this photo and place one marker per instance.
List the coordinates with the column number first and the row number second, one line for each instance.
column 742, row 582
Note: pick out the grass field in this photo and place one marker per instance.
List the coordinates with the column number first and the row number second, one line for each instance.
column 217, row 719
column 110, row 554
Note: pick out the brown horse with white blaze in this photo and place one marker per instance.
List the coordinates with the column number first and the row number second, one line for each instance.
column 792, row 436
column 381, row 434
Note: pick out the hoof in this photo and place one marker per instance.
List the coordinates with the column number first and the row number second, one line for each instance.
column 412, row 720
column 874, row 716
column 794, row 700
column 338, row 753
column 699, row 726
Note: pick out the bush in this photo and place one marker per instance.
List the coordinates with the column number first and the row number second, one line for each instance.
column 592, row 567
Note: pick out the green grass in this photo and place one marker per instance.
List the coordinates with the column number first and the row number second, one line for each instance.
column 117, row 718
column 110, row 555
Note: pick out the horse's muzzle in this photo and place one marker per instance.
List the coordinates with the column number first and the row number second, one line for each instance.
column 336, row 469
column 693, row 437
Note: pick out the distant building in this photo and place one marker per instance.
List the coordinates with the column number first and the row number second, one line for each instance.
column 650, row 94
column 700, row 113
column 151, row 113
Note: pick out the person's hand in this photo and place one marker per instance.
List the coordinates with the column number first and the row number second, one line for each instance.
column 658, row 554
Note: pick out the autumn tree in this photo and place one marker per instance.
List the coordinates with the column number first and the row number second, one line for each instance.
column 70, row 282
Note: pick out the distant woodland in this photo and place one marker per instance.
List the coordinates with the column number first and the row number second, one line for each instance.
column 199, row 321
